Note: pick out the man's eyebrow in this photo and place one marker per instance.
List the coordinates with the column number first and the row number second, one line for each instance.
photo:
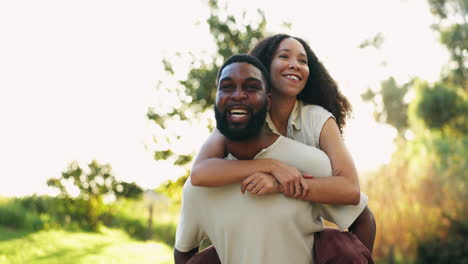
column 253, row 79
column 302, row 54
column 227, row 78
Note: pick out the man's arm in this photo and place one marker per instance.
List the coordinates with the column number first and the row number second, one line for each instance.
column 184, row 257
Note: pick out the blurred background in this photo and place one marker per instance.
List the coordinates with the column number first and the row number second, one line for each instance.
column 103, row 105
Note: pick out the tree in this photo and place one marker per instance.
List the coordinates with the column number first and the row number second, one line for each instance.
column 394, row 108
column 427, row 173
column 441, row 107
column 231, row 34
column 453, row 30
column 441, row 104
column 93, row 186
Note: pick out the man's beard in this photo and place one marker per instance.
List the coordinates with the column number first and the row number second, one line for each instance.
column 252, row 129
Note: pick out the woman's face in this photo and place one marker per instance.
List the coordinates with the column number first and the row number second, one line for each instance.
column 289, row 70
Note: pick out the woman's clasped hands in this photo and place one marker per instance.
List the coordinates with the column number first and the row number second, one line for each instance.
column 281, row 178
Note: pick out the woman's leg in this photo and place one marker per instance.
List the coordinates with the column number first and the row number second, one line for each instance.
column 334, row 247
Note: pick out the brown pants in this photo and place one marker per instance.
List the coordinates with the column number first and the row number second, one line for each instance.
column 331, row 247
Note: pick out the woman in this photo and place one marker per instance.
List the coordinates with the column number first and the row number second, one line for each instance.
column 306, row 106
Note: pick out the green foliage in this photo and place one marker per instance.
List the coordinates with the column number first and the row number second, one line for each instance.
column 173, row 189
column 441, row 107
column 12, row 215
column 394, row 108
column 93, row 186
column 424, row 184
column 375, row 42
column 450, row 247
column 446, row 8
column 453, row 30
column 35, row 213
column 455, row 38
column 231, row 34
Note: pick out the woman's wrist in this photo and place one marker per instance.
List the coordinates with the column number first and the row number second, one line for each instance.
column 268, row 165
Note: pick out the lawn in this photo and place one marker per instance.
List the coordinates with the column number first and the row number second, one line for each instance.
column 64, row 247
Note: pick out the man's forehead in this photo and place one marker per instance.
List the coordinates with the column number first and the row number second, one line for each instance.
column 244, row 69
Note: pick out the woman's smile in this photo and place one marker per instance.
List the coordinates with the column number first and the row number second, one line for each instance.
column 289, row 70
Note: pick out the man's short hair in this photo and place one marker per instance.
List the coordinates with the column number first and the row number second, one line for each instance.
column 250, row 60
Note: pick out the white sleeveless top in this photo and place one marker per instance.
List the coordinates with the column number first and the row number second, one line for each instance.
column 304, row 124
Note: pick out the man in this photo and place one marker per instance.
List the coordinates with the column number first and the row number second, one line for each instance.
column 248, row 228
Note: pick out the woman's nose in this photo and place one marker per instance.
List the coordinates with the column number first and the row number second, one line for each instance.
column 293, row 64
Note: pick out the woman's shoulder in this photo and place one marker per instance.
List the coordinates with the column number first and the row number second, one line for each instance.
column 313, row 111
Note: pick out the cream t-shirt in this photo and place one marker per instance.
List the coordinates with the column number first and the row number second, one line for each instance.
column 245, row 228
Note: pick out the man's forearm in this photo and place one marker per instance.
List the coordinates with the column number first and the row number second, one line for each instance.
column 184, row 257
column 364, row 228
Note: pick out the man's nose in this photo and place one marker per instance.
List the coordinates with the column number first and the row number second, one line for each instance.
column 239, row 94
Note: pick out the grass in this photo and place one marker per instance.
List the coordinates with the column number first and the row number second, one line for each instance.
column 64, row 247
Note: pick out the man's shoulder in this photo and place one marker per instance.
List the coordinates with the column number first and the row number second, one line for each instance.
column 285, row 148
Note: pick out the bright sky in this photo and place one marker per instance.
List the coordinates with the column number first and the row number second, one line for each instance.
column 77, row 77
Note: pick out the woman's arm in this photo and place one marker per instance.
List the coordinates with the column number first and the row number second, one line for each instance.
column 343, row 188
column 210, row 169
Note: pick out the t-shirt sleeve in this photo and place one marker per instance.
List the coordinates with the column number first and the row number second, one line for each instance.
column 189, row 234
column 319, row 116
column 343, row 215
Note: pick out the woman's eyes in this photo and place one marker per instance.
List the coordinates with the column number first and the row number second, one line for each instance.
column 285, row 56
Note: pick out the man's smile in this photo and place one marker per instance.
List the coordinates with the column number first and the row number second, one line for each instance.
column 238, row 114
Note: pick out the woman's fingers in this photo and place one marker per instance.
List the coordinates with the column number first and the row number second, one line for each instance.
column 298, row 190
column 262, row 191
column 290, row 189
column 246, row 182
column 251, row 186
column 305, row 189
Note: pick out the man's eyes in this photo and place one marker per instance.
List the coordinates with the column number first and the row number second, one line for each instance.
column 249, row 87
column 225, row 86
column 253, row 87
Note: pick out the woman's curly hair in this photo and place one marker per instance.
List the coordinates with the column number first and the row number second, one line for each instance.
column 320, row 88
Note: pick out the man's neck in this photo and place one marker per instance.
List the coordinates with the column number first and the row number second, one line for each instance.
column 247, row 149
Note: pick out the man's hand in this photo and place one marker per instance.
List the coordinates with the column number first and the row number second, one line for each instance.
column 260, row 183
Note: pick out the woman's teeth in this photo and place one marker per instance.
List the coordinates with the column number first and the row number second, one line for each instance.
column 292, row 77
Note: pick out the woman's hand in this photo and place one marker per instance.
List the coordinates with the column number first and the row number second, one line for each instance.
column 260, row 183
column 290, row 178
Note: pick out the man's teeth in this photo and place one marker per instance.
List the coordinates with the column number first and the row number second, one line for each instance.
column 293, row 77
column 238, row 112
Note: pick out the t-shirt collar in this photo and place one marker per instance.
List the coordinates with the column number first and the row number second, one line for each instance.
column 295, row 117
